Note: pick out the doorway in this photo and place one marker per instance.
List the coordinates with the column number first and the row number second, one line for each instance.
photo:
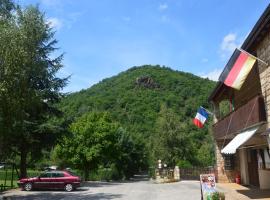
column 253, row 168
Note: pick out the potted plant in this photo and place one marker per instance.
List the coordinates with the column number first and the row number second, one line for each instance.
column 218, row 196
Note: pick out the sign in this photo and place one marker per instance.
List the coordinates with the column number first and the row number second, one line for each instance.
column 208, row 184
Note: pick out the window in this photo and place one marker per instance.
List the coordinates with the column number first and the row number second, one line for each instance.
column 58, row 174
column 228, row 162
column 264, row 158
column 45, row 175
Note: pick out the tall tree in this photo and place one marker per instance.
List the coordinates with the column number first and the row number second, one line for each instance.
column 170, row 142
column 29, row 85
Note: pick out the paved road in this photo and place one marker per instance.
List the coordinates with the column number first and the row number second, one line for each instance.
column 133, row 190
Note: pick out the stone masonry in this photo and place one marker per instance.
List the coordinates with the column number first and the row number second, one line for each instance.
column 263, row 52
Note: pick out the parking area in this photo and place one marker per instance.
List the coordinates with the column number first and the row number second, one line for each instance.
column 132, row 190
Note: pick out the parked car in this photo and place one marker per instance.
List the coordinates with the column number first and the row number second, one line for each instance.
column 51, row 180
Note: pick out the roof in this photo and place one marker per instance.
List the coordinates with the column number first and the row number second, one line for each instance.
column 257, row 33
column 238, row 140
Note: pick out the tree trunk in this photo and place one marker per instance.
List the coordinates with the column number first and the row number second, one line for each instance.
column 23, row 164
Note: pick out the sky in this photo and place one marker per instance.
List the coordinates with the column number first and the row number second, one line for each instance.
column 101, row 38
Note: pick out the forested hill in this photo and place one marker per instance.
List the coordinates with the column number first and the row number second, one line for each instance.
column 156, row 106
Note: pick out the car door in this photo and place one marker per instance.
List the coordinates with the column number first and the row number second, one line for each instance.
column 44, row 181
column 58, row 180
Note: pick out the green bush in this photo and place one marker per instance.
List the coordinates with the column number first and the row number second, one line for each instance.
column 152, row 172
column 184, row 164
column 218, row 196
column 107, row 174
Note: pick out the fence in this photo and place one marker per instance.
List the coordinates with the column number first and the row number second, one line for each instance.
column 194, row 172
column 8, row 176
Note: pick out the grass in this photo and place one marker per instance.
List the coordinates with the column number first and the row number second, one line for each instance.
column 7, row 174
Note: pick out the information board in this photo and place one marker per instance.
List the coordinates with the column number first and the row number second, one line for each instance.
column 208, row 184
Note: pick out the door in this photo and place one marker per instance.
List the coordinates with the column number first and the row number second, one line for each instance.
column 58, row 179
column 253, row 168
column 44, row 181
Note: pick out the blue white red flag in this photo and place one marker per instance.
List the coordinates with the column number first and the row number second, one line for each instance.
column 201, row 117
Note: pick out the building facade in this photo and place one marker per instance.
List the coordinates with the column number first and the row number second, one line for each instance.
column 242, row 117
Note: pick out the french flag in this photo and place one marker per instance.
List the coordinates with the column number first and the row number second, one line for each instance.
column 201, row 117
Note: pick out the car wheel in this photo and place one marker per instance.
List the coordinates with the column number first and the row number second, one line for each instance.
column 68, row 187
column 28, row 186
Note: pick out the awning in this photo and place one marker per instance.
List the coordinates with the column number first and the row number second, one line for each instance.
column 238, row 140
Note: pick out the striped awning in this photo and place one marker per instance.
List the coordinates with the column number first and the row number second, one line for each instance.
column 238, row 140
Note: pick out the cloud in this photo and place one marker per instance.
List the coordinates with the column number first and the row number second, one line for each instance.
column 212, row 75
column 163, row 6
column 72, row 18
column 229, row 42
column 55, row 23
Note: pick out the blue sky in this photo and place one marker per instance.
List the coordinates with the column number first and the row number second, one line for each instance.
column 101, row 38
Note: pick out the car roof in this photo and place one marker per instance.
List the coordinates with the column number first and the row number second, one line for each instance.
column 54, row 171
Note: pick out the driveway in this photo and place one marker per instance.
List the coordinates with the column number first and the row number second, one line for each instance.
column 133, row 190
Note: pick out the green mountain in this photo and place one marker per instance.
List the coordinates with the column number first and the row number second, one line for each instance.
column 155, row 105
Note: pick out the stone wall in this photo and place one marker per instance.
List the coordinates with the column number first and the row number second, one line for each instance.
column 263, row 52
column 222, row 175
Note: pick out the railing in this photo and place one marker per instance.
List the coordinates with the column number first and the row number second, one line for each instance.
column 251, row 113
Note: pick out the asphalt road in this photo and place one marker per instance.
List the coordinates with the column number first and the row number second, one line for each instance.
column 132, row 190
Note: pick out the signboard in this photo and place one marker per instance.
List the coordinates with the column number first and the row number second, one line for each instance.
column 208, row 184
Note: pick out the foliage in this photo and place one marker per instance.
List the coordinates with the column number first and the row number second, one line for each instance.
column 218, row 196
column 29, row 87
column 155, row 106
column 93, row 140
column 224, row 108
column 170, row 142
column 105, row 174
column 184, row 164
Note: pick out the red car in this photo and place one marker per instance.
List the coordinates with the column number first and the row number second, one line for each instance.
column 51, row 180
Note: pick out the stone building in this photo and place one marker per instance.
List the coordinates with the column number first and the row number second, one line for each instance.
column 242, row 134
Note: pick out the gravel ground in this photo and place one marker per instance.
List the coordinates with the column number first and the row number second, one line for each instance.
column 133, row 190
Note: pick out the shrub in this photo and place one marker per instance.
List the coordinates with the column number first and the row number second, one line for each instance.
column 105, row 173
column 184, row 164
column 218, row 196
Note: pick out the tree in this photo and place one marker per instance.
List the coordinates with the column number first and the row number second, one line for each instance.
column 93, row 141
column 131, row 155
column 29, row 86
column 6, row 6
column 171, row 143
column 134, row 100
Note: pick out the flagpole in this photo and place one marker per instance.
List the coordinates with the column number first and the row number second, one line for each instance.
column 253, row 56
column 208, row 111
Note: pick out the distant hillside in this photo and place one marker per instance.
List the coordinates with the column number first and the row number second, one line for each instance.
column 135, row 99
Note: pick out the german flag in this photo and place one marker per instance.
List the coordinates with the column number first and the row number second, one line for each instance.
column 237, row 69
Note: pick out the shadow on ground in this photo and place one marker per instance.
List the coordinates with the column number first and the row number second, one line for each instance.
column 69, row 196
column 135, row 178
column 255, row 193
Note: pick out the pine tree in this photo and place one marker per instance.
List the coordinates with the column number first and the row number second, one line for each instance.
column 29, row 85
